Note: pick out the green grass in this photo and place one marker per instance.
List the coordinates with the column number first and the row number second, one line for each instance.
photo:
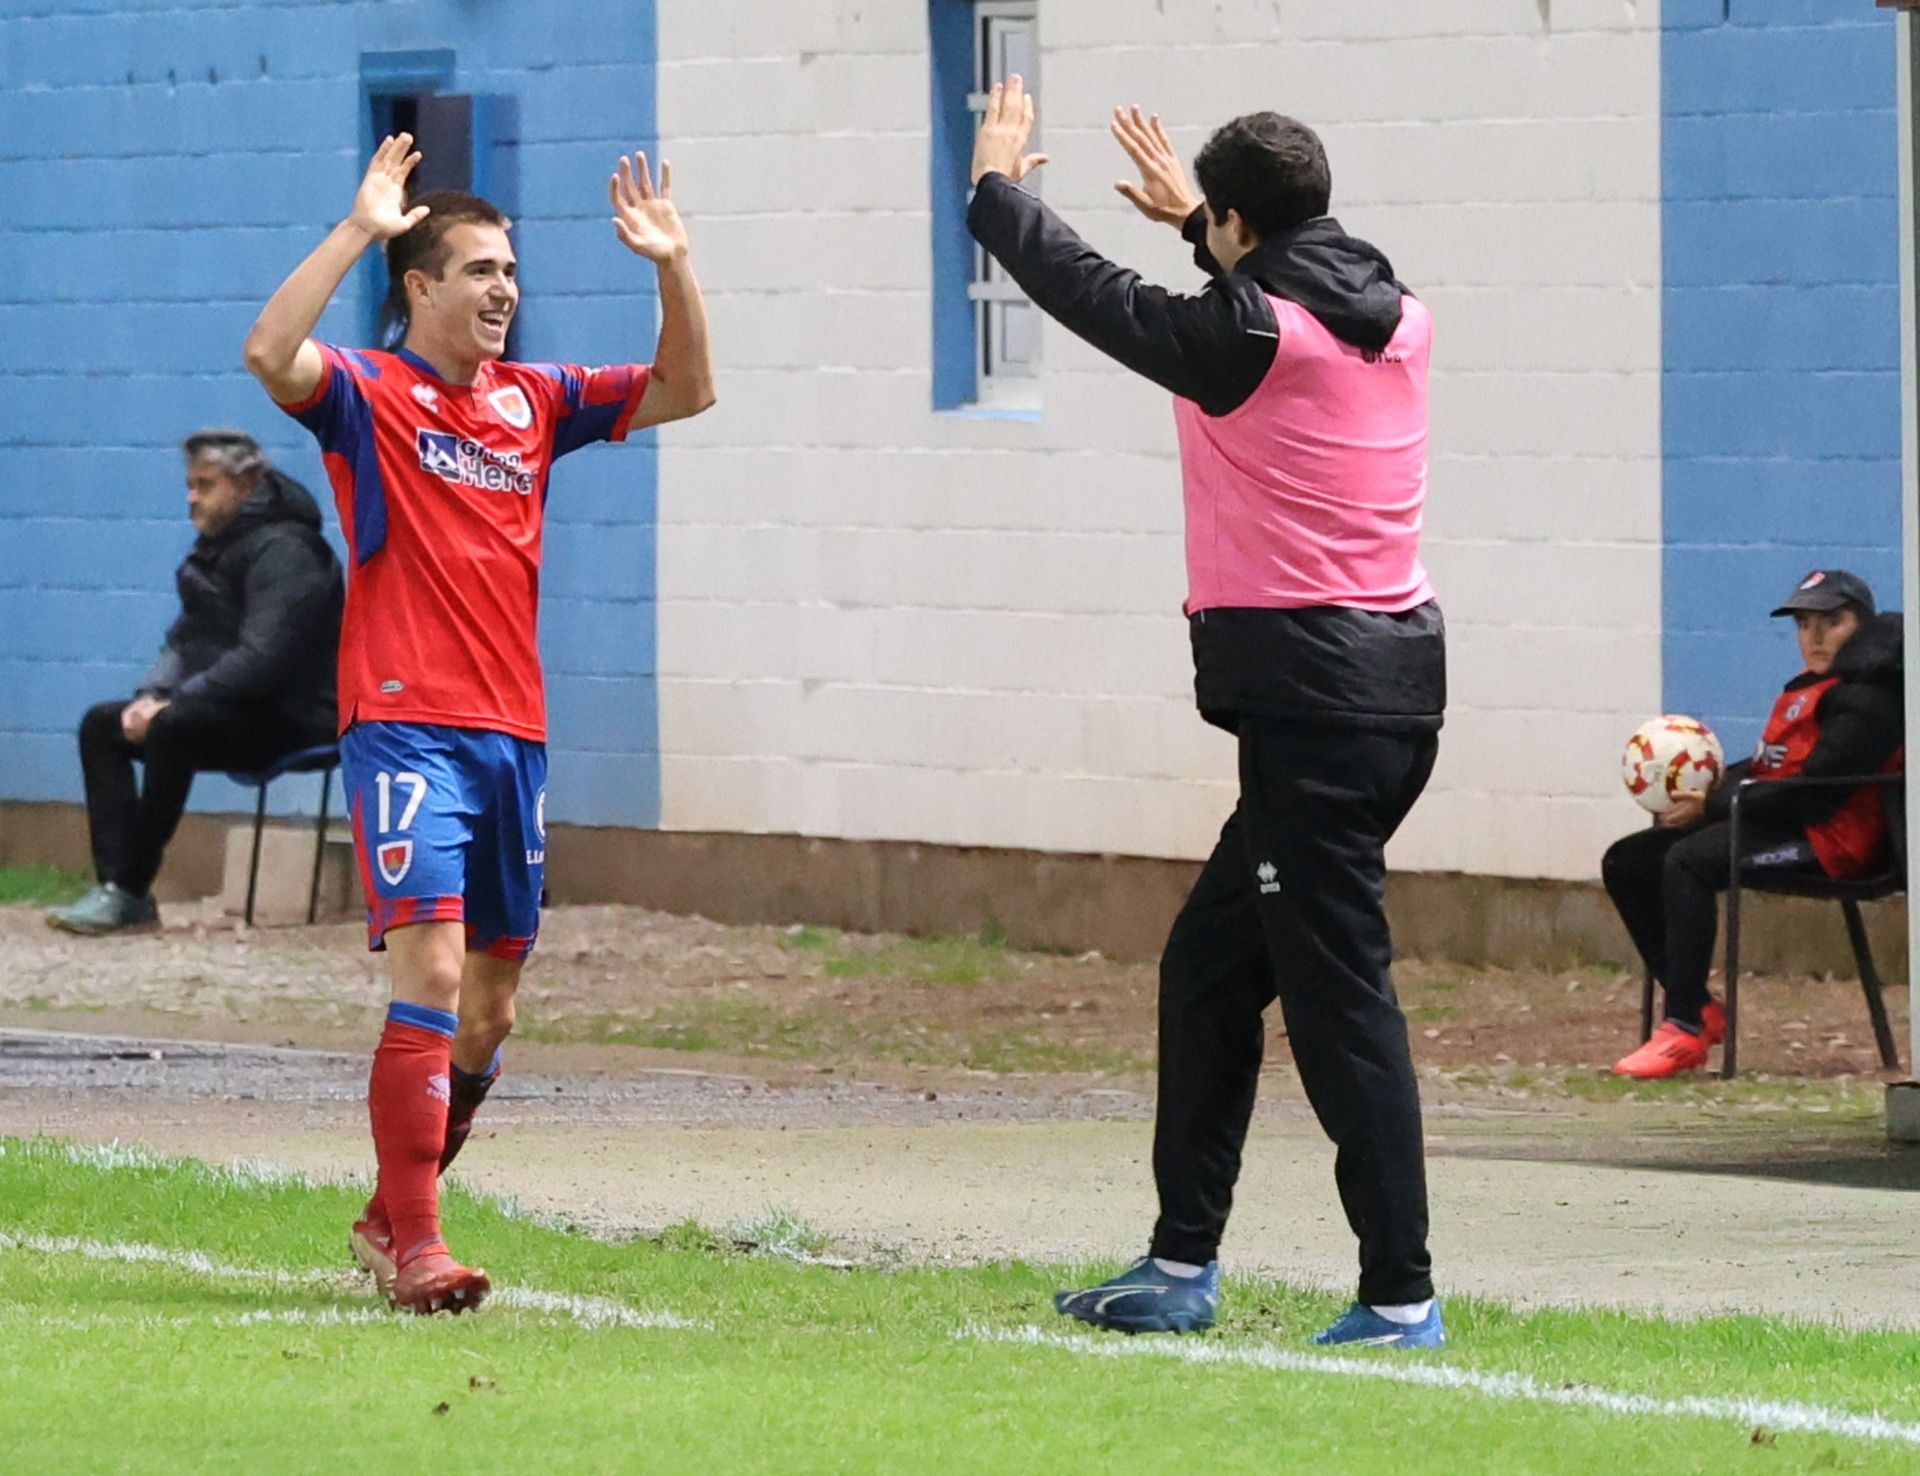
column 966, row 959
column 1844, row 1098
column 784, row 1365
column 825, row 1031
column 44, row 886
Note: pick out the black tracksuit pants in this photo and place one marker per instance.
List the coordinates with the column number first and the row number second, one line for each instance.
column 1665, row 884
column 131, row 823
column 1291, row 906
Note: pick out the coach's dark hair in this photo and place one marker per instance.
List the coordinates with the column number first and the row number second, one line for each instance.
column 424, row 248
column 1271, row 168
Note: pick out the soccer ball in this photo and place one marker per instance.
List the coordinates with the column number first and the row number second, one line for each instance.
column 1670, row 756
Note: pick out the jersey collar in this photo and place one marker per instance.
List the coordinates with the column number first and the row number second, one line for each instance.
column 407, row 355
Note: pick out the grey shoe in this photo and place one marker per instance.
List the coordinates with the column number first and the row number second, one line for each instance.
column 106, row 909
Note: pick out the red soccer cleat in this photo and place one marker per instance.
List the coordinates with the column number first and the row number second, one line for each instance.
column 1713, row 1022
column 432, row 1281
column 371, row 1241
column 1670, row 1052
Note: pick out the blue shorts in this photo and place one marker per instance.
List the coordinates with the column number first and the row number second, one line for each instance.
column 450, row 825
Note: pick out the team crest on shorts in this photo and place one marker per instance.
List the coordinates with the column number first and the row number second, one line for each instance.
column 394, row 858
column 512, row 405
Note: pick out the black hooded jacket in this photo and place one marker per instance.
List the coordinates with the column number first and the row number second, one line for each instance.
column 260, row 606
column 1862, row 725
column 1326, row 664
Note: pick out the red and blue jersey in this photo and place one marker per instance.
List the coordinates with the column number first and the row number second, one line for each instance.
column 441, row 490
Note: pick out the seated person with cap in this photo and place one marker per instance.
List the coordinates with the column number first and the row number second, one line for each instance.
column 245, row 676
column 1844, row 714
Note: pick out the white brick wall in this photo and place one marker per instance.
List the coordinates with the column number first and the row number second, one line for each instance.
column 879, row 622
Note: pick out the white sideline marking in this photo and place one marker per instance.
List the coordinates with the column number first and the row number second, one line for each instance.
column 590, row 1312
column 1775, row 1415
column 304, row 1316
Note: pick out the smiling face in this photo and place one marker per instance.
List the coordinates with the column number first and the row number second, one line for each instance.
column 461, row 315
column 1822, row 633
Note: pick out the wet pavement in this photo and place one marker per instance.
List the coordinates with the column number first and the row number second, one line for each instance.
column 63, row 1062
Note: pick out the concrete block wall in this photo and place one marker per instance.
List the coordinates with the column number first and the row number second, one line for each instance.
column 882, row 622
column 1657, row 238
column 162, row 167
column 1781, row 314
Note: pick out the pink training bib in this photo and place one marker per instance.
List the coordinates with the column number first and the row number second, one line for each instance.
column 1311, row 492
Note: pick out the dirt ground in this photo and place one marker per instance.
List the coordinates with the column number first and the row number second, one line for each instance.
column 954, row 1099
column 652, row 989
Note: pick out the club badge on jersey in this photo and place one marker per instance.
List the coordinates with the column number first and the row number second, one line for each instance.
column 512, row 406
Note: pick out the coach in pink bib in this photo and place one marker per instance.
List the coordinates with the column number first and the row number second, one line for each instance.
column 1299, row 376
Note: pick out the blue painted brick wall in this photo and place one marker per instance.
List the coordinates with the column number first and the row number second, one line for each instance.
column 1781, row 305
column 162, row 167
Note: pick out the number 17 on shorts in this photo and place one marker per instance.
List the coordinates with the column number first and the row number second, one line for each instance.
column 449, row 825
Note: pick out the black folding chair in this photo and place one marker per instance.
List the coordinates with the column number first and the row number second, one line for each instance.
column 1849, row 893
column 321, row 760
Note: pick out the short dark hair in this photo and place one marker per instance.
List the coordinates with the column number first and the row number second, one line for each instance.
column 1271, row 168
column 424, row 248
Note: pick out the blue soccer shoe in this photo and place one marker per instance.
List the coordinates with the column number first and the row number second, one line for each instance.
column 1145, row 1299
column 1362, row 1327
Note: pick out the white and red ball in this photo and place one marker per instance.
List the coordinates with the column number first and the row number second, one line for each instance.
column 1670, row 756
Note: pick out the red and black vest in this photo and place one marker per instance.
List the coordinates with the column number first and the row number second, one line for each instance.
column 1853, row 839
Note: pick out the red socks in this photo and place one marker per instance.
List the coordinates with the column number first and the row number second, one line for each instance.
column 407, row 1101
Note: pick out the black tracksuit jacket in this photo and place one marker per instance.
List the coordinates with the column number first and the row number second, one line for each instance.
column 1326, row 665
column 260, row 606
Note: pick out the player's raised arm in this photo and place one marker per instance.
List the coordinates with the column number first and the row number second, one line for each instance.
column 279, row 352
column 681, row 383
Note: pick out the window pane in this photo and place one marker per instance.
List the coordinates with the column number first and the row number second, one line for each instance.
column 1005, row 41
column 1020, row 337
column 1016, row 50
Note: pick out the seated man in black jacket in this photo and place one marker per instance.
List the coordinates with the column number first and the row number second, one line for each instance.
column 246, row 673
column 1844, row 714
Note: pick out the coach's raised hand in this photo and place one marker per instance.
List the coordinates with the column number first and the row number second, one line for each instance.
column 380, row 206
column 1000, row 147
column 645, row 218
column 1163, row 193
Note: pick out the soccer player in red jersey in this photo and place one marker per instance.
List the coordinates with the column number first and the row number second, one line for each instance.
column 439, row 455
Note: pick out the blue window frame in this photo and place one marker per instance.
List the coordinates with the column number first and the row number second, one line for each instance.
column 986, row 333
column 467, row 141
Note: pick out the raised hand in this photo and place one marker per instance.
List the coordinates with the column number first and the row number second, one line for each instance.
column 645, row 218
column 1163, row 193
column 1000, row 145
column 380, row 207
